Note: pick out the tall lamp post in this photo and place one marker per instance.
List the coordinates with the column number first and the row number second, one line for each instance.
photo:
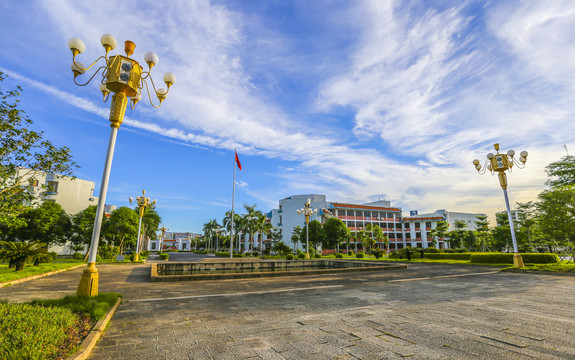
column 163, row 230
column 143, row 202
column 125, row 78
column 500, row 163
column 308, row 212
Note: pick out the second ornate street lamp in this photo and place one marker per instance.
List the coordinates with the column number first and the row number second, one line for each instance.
column 163, row 230
column 125, row 78
column 308, row 212
column 142, row 202
column 500, row 163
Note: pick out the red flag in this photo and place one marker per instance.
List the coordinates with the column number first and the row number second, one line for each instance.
column 238, row 161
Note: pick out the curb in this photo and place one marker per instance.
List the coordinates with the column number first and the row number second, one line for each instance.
column 94, row 336
column 13, row 282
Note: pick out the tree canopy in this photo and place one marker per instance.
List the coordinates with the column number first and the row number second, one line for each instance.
column 23, row 154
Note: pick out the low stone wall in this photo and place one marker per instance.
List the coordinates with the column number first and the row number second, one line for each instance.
column 325, row 266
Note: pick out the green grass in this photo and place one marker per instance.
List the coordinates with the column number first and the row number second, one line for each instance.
column 7, row 274
column 49, row 329
column 562, row 267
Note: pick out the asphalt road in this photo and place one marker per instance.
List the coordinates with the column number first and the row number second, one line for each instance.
column 426, row 312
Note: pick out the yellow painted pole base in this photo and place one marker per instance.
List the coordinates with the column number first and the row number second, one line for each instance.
column 517, row 261
column 89, row 281
column 307, row 255
column 137, row 257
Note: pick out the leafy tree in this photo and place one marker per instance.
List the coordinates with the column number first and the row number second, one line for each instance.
column 82, row 227
column 47, row 223
column 440, row 232
column 380, row 236
column 556, row 216
column 336, row 232
column 501, row 234
column 297, row 235
column 482, row 233
column 23, row 154
column 150, row 222
column 316, row 234
column 562, row 172
column 122, row 228
column 282, row 248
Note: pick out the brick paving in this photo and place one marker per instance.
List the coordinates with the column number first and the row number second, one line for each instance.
column 426, row 312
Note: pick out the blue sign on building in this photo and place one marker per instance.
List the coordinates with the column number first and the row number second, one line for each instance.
column 412, row 212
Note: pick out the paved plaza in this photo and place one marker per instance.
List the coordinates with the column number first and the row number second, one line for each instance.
column 429, row 311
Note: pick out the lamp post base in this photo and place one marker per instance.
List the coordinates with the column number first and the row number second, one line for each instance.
column 307, row 255
column 517, row 261
column 89, row 281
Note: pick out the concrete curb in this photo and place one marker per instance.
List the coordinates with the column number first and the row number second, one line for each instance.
column 38, row 276
column 92, row 339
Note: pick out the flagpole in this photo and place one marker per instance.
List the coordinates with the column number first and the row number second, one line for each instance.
column 233, row 200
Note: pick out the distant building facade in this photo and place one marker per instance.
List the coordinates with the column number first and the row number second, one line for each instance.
column 181, row 241
column 413, row 230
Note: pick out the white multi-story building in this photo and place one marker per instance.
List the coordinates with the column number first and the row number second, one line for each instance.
column 73, row 195
column 417, row 227
column 181, row 241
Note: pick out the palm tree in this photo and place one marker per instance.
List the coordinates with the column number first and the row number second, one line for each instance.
column 18, row 252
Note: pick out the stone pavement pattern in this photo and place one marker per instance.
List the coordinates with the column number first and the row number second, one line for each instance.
column 426, row 312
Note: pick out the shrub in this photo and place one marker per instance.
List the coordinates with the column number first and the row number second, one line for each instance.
column 201, row 252
column 501, row 258
column 78, row 256
column 377, row 252
column 317, row 255
column 350, row 252
column 255, row 254
column 448, row 256
column 339, row 256
column 164, row 256
column 237, row 255
column 223, row 254
column 34, row 332
column 98, row 258
column 301, row 256
column 144, row 254
column 432, row 250
column 289, row 257
column 360, row 255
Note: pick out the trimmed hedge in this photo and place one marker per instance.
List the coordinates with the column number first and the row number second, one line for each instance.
column 223, row 254
column 164, row 256
column 339, row 256
column 360, row 255
column 289, row 257
column 501, row 258
column 449, row 256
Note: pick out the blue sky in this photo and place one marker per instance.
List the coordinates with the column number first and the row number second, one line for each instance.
column 357, row 100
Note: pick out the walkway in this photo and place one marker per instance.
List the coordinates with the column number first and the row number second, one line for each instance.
column 427, row 312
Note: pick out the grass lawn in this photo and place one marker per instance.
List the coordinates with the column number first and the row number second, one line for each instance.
column 562, row 267
column 7, row 274
column 49, row 329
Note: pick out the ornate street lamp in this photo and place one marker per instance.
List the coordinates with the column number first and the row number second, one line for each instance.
column 163, row 230
column 308, row 212
column 142, row 202
column 500, row 163
column 125, row 78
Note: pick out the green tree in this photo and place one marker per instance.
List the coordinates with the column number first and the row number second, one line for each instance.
column 458, row 234
column 380, row 236
column 482, row 233
column 501, row 234
column 24, row 153
column 561, row 173
column 297, row 235
column 82, row 227
column 556, row 216
column 150, row 222
column 121, row 229
column 440, row 232
column 316, row 234
column 47, row 223
column 336, row 233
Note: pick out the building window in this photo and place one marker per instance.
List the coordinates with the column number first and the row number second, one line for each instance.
column 153, row 246
column 53, row 187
